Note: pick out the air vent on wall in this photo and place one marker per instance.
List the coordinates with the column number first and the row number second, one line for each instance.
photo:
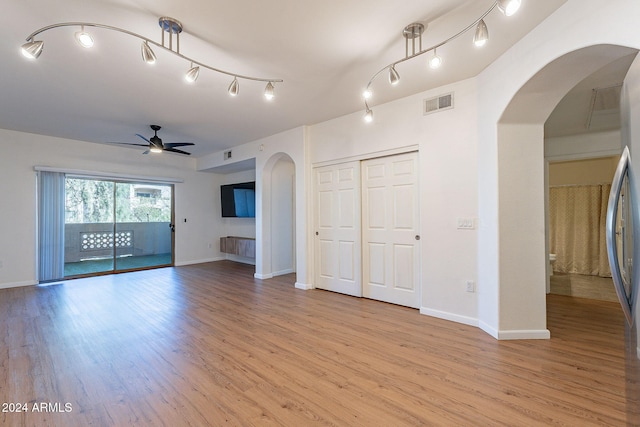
column 439, row 103
column 227, row 155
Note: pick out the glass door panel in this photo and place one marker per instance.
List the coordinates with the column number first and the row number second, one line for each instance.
column 88, row 235
column 143, row 228
column 116, row 226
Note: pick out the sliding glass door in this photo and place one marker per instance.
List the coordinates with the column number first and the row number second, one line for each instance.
column 113, row 226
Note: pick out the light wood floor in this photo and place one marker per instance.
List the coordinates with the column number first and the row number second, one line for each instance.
column 209, row 345
column 583, row 286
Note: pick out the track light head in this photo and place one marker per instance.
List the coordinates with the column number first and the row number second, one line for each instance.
column 147, row 54
column 32, row 49
column 482, row 34
column 192, row 74
column 435, row 61
column 268, row 91
column 368, row 116
column 394, row 77
column 83, row 38
column 509, row 7
column 234, row 87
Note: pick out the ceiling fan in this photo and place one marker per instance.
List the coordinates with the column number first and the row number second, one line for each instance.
column 155, row 144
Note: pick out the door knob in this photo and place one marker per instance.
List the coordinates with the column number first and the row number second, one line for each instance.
column 417, row 237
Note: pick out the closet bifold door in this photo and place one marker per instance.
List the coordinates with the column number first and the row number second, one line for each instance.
column 622, row 236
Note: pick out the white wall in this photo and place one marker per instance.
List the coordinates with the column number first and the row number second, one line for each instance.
column 283, row 216
column 267, row 152
column 21, row 152
column 584, row 146
column 447, row 145
column 557, row 54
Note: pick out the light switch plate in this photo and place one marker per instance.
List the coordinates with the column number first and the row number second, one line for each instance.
column 466, row 224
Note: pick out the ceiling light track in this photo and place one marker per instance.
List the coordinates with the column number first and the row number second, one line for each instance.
column 33, row 48
column 414, row 31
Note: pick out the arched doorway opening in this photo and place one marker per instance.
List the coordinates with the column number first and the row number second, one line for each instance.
column 279, row 216
column 523, row 247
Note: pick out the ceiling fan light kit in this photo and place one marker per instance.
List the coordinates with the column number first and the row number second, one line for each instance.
column 155, row 145
column 412, row 34
column 32, row 49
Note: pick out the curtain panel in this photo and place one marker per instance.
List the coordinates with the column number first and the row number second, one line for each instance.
column 577, row 216
column 50, row 226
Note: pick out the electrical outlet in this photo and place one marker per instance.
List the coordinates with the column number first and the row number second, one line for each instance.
column 471, row 286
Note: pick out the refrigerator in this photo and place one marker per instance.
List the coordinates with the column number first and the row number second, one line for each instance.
column 623, row 249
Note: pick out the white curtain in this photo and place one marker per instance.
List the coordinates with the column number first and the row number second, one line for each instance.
column 51, row 225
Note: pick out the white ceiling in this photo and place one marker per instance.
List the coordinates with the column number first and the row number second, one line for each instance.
column 325, row 52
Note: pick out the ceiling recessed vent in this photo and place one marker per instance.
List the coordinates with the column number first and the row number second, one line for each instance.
column 227, row 155
column 439, row 103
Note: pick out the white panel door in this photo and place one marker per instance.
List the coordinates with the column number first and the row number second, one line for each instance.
column 338, row 230
column 390, row 236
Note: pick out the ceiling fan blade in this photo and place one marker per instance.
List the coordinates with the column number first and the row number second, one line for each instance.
column 178, row 144
column 137, row 134
column 129, row 143
column 175, row 150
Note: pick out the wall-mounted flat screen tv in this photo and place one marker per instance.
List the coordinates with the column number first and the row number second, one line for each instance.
column 238, row 200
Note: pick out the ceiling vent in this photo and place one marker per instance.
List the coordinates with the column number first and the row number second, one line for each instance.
column 439, row 103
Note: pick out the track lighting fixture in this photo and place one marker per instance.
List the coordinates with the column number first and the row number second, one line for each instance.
column 147, row 54
column 368, row 116
column 435, row 61
column 83, row 38
column 509, row 7
column 482, row 34
column 192, row 74
column 33, row 48
column 394, row 77
column 413, row 37
column 268, row 91
column 234, row 87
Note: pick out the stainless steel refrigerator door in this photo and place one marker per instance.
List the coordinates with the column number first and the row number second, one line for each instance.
column 622, row 236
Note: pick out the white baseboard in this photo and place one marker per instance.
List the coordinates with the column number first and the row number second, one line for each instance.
column 18, row 284
column 527, row 334
column 488, row 329
column 263, row 276
column 304, row 286
column 449, row 316
column 243, row 260
column 197, row 261
column 283, row 272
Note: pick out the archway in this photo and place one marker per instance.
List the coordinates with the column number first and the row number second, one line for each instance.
column 278, row 216
column 521, row 230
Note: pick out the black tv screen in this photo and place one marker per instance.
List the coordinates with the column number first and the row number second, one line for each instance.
column 238, row 200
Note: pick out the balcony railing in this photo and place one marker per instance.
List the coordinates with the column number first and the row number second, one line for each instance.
column 97, row 240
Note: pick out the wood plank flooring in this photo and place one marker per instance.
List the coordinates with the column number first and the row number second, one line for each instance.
column 210, row 345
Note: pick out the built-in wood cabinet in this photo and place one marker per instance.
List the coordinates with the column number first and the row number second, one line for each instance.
column 241, row 246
